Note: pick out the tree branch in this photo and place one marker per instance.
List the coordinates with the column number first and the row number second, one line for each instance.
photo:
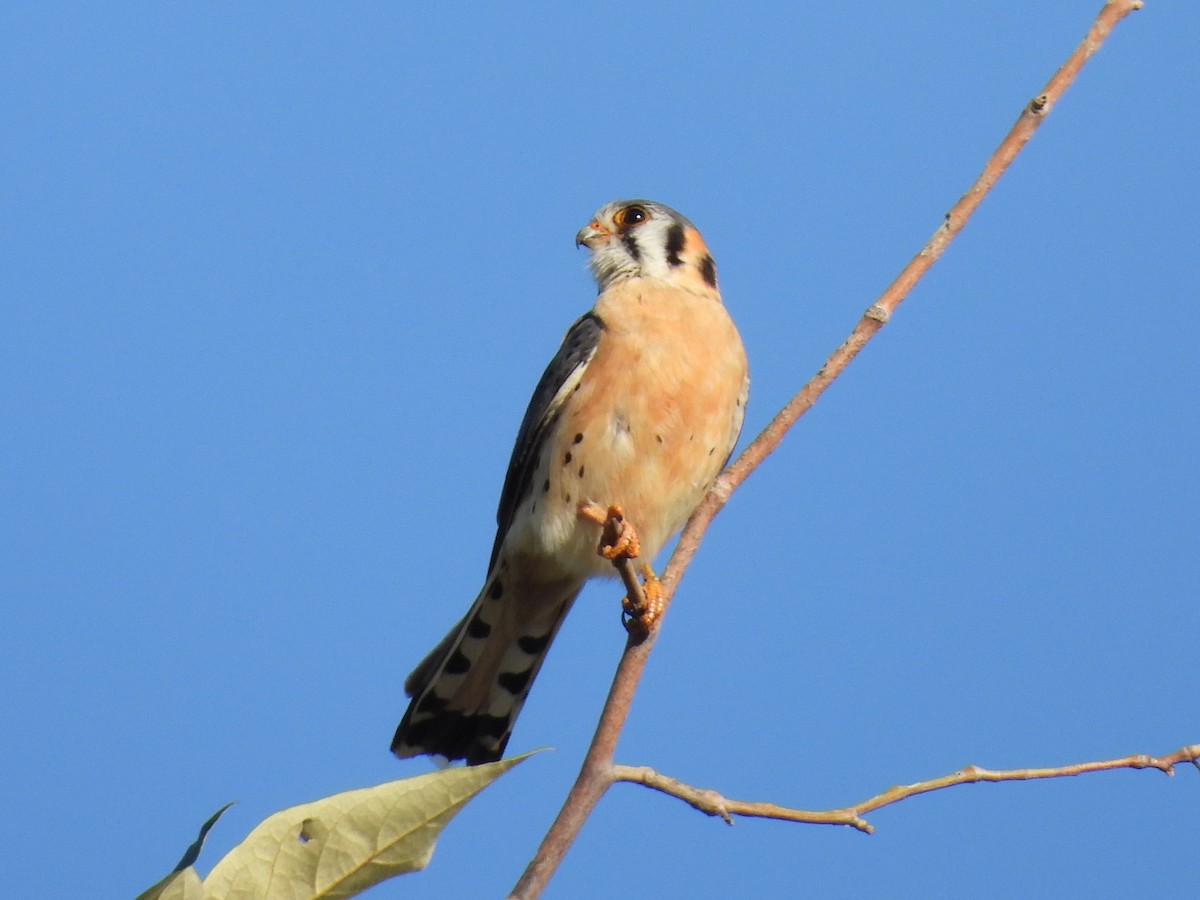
column 596, row 774
column 714, row 804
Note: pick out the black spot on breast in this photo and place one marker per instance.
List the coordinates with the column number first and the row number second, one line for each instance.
column 658, row 437
column 566, row 497
column 479, row 629
column 675, row 241
column 708, row 271
column 457, row 664
column 533, row 645
column 515, row 682
column 567, row 459
column 581, row 471
column 578, row 438
column 712, row 450
column 496, row 591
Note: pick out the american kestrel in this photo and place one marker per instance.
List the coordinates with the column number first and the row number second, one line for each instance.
column 640, row 408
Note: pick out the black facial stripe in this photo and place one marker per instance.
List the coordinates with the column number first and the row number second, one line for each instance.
column 675, row 241
column 708, row 270
column 631, row 245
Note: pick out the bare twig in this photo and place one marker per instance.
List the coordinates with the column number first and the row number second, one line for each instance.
column 633, row 587
column 596, row 774
column 714, row 804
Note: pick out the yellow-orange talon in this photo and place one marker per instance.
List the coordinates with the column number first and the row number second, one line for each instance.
column 619, row 543
column 656, row 598
column 618, row 537
column 643, row 617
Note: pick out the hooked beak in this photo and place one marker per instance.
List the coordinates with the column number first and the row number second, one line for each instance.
column 591, row 234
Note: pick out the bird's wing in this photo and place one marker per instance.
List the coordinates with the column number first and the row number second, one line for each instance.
column 556, row 385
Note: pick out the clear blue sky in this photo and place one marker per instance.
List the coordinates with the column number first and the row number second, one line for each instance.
column 278, row 280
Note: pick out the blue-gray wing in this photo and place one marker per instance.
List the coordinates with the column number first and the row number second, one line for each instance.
column 556, row 384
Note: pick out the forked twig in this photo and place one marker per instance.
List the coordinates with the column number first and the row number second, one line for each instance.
column 714, row 804
column 597, row 771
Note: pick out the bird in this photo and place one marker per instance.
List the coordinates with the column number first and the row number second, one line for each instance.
column 638, row 411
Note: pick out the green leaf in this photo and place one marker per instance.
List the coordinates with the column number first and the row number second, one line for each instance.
column 343, row 844
column 183, row 883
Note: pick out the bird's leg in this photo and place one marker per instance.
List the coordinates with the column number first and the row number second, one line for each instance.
column 644, row 603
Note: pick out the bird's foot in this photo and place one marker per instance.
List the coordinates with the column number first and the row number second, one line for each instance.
column 644, row 601
column 642, row 609
column 618, row 537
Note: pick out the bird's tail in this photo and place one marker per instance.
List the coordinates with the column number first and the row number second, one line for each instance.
column 467, row 692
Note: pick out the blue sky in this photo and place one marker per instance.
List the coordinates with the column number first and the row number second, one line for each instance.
column 279, row 279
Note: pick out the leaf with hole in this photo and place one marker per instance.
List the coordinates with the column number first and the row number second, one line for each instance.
column 342, row 844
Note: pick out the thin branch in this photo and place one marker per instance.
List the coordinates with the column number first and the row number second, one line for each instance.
column 596, row 776
column 714, row 804
column 629, row 578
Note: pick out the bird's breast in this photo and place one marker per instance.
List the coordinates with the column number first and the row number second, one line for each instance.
column 651, row 423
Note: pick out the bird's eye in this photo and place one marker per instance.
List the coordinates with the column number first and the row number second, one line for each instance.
column 630, row 216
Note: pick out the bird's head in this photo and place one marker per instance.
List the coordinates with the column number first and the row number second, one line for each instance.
column 644, row 239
